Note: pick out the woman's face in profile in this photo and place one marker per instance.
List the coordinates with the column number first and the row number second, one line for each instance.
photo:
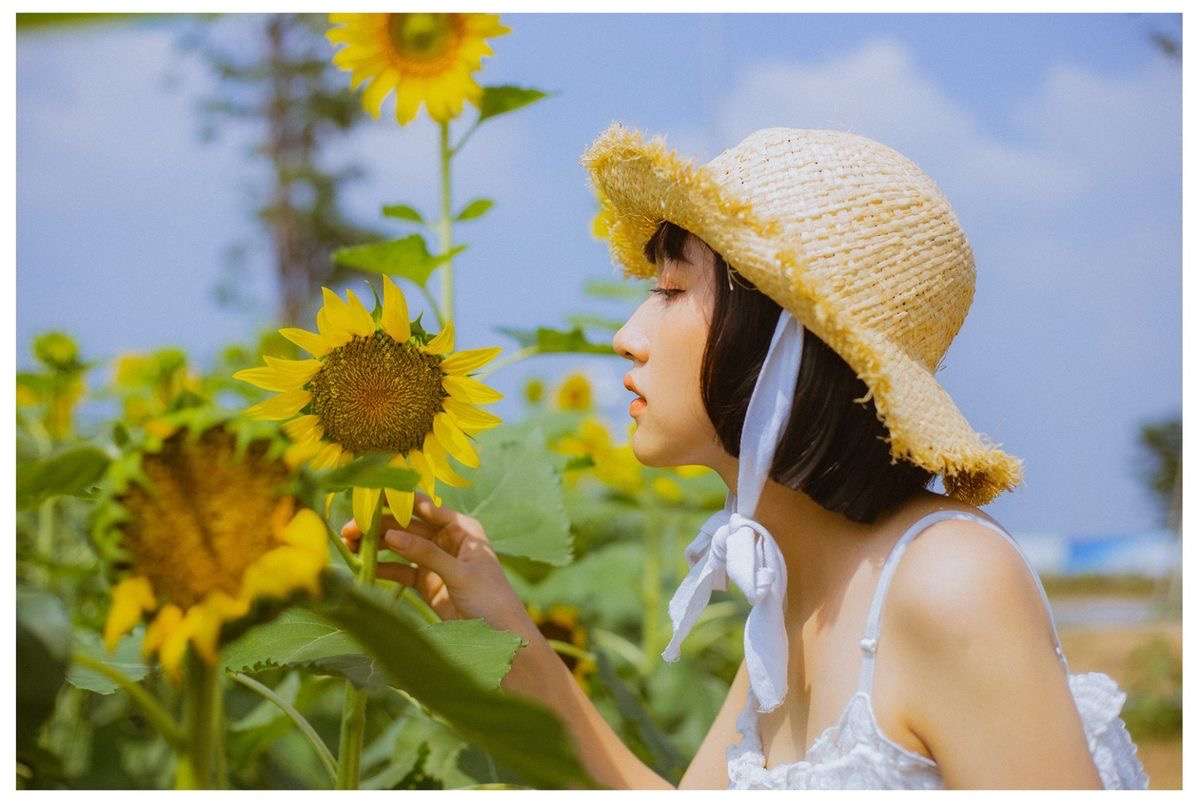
column 665, row 339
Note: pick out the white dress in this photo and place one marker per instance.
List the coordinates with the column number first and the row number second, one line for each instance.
column 854, row 753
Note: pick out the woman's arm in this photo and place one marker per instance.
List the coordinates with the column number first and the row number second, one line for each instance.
column 538, row 672
column 991, row 699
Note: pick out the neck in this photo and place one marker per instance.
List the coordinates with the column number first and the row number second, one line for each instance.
column 821, row 548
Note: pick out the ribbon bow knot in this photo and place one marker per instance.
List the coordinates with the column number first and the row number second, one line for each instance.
column 732, row 544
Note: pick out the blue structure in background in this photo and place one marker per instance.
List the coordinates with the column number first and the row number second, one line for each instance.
column 1153, row 553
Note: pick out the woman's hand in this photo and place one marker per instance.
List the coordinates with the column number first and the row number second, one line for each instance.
column 457, row 572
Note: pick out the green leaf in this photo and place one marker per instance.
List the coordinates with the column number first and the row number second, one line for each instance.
column 403, row 212
column 126, row 659
column 628, row 290
column 369, row 471
column 516, row 493
column 556, row 341
column 69, row 473
column 522, row 734
column 476, row 208
column 43, row 649
column 301, row 638
column 595, row 322
column 499, row 100
column 408, row 258
column 667, row 761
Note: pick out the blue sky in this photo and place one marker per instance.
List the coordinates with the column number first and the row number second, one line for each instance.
column 1056, row 137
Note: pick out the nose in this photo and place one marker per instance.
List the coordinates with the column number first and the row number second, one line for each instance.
column 629, row 342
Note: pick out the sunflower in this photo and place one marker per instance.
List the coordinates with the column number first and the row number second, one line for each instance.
column 423, row 57
column 614, row 465
column 574, row 393
column 377, row 387
column 561, row 623
column 203, row 519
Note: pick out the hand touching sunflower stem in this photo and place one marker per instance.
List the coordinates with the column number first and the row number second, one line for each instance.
column 454, row 567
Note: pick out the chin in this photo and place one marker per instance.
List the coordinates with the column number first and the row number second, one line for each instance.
column 654, row 451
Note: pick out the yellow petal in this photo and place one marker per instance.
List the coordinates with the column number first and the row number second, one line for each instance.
column 421, row 464
column 436, row 455
column 463, row 362
column 130, row 598
column 281, row 571
column 311, row 342
column 365, row 501
column 300, row 453
column 280, row 374
column 333, row 336
column 283, row 406
column 471, row 391
column 306, row 531
column 174, row 646
column 327, row 457
column 401, row 503
column 395, row 312
column 343, row 316
column 457, row 444
column 364, row 324
column 468, row 417
column 443, row 344
column 162, row 626
column 376, row 93
column 303, row 429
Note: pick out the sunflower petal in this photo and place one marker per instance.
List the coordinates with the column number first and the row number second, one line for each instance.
column 306, row 531
column 311, row 342
column 457, row 444
column 401, row 503
column 443, row 344
column 419, row 462
column 283, row 406
column 471, row 391
column 363, row 323
column 166, row 621
column 365, row 501
column 130, row 598
column 463, row 362
column 395, row 312
column 436, row 455
column 468, row 417
column 327, row 457
column 297, row 371
column 300, row 453
column 333, row 335
column 304, row 428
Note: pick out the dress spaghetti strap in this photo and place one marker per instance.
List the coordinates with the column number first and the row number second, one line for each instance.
column 869, row 642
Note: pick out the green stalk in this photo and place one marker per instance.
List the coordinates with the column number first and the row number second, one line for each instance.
column 204, row 767
column 651, row 590
column 305, row 727
column 353, row 712
column 155, row 713
column 444, row 230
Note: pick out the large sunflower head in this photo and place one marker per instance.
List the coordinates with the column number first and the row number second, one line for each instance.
column 200, row 515
column 425, row 58
column 378, row 386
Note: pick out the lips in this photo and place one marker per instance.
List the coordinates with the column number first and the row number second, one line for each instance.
column 631, row 386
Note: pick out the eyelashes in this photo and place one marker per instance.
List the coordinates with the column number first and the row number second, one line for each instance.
column 667, row 293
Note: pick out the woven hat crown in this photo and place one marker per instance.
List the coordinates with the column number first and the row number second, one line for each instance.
column 875, row 230
column 848, row 235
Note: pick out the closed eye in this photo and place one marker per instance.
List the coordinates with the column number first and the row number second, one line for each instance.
column 666, row 292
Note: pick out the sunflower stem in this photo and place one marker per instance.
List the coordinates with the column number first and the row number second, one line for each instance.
column 155, row 713
column 444, row 226
column 205, row 764
column 410, row 596
column 353, row 712
column 305, row 727
column 566, row 648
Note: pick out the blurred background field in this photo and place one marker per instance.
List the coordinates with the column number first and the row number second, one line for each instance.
column 184, row 181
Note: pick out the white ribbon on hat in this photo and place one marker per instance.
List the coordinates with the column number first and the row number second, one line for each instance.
column 732, row 544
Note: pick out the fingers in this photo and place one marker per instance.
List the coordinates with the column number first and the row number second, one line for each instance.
column 351, row 533
column 454, row 528
column 398, row 572
column 424, row 552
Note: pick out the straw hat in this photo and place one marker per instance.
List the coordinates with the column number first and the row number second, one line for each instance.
column 848, row 235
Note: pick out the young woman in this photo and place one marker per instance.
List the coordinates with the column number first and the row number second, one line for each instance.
column 807, row 285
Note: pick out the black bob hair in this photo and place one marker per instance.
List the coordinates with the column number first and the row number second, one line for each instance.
column 833, row 449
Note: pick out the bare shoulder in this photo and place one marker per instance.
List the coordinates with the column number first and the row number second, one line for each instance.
column 959, row 578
